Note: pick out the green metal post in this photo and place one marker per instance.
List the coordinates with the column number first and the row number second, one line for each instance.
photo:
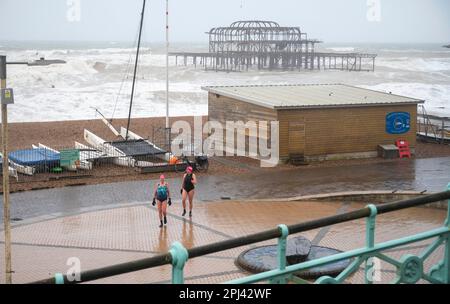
column 447, row 221
column 281, row 253
column 59, row 278
column 441, row 271
column 370, row 242
column 361, row 252
column 179, row 257
column 446, row 263
column 446, row 274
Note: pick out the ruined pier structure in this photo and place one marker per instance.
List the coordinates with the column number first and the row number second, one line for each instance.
column 266, row 45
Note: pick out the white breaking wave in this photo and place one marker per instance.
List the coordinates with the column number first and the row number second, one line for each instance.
column 415, row 64
column 436, row 97
column 341, row 49
column 415, row 51
column 92, row 79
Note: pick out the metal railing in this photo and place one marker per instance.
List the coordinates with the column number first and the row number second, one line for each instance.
column 431, row 126
column 40, row 163
column 409, row 268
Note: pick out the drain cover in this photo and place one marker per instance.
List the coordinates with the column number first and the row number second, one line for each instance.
column 264, row 258
column 297, row 250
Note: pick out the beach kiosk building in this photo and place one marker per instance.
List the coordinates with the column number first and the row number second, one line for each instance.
column 320, row 122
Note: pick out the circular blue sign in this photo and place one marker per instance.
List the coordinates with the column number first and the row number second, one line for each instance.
column 398, row 123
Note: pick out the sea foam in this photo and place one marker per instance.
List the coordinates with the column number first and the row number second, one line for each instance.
column 96, row 78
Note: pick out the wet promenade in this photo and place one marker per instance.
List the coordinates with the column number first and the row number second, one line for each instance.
column 107, row 237
column 112, row 223
column 432, row 175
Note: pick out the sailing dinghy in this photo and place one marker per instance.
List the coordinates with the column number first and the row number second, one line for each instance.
column 119, row 158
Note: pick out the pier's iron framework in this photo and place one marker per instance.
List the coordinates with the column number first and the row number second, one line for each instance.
column 268, row 46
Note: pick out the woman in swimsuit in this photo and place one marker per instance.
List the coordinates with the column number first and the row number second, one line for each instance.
column 188, row 190
column 160, row 196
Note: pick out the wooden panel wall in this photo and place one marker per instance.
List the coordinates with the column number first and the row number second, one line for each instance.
column 222, row 109
column 297, row 137
column 344, row 130
column 327, row 131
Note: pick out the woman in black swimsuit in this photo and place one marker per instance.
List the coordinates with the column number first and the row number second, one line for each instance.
column 188, row 190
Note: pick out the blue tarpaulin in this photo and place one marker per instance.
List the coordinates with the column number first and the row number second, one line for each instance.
column 35, row 157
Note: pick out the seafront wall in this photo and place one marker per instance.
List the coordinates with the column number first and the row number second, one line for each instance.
column 369, row 197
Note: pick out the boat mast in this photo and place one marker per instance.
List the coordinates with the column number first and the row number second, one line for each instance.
column 135, row 67
column 167, row 71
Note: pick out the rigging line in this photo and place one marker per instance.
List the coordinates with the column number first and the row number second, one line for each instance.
column 135, row 68
column 97, row 111
column 125, row 76
column 138, row 70
column 138, row 75
column 121, row 87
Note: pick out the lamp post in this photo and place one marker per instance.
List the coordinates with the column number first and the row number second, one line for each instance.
column 5, row 165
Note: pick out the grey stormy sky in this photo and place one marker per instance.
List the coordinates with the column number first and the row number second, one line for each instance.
column 402, row 21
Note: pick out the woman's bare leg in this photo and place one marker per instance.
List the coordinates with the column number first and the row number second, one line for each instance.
column 164, row 208
column 164, row 211
column 184, row 196
column 160, row 209
column 191, row 200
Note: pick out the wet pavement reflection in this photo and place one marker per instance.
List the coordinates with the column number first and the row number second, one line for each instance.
column 107, row 237
column 417, row 174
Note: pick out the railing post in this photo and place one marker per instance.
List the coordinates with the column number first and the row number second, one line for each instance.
column 446, row 262
column 443, row 131
column 281, row 252
column 447, row 221
column 370, row 242
column 447, row 246
column 179, row 257
column 59, row 278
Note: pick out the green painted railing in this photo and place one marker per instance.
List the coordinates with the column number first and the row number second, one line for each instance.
column 409, row 268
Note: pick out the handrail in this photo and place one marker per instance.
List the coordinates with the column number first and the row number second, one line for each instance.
column 164, row 259
column 339, row 257
column 434, row 117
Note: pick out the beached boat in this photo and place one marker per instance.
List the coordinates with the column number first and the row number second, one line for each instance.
column 30, row 161
column 133, row 148
column 157, row 150
column 83, row 165
column 12, row 171
column 119, row 158
column 91, row 155
column 41, row 146
column 26, row 170
column 143, row 148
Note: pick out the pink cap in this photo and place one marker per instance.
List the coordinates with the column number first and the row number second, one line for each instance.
column 162, row 176
column 189, row 169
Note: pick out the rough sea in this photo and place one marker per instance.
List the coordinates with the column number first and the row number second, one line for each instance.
column 99, row 76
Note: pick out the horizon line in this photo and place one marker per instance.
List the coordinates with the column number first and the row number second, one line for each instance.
column 206, row 41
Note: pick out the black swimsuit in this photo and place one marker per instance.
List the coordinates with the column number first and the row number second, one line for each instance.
column 188, row 185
